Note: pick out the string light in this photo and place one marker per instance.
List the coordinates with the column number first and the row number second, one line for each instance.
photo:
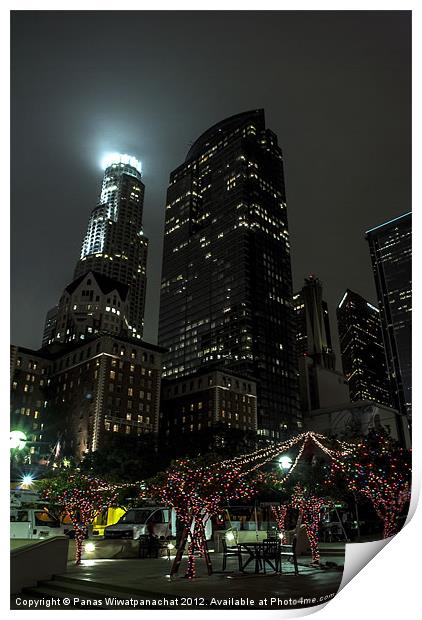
column 310, row 508
column 381, row 472
column 199, row 491
column 280, row 513
column 82, row 498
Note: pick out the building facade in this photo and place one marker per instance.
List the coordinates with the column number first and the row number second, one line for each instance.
column 89, row 391
column 114, row 244
column 390, row 246
column 91, row 304
column 198, row 410
column 362, row 349
column 50, row 326
column 226, row 293
column 352, row 420
column 313, row 332
column 28, row 404
column 320, row 384
column 206, row 399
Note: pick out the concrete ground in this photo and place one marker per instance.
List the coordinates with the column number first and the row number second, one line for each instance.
column 231, row 589
column 138, row 583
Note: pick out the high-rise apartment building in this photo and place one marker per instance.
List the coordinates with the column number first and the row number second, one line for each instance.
column 320, row 384
column 390, row 245
column 114, row 244
column 226, row 293
column 362, row 349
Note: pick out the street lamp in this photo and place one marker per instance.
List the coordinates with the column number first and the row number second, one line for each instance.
column 17, row 440
column 27, row 480
column 285, row 462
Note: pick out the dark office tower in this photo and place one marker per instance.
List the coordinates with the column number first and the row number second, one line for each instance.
column 390, row 245
column 313, row 334
column 50, row 326
column 320, row 385
column 226, row 297
column 114, row 244
column 362, row 349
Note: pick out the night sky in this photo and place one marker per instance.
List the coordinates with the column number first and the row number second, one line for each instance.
column 335, row 88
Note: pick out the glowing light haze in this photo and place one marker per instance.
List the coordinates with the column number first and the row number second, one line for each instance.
column 118, row 158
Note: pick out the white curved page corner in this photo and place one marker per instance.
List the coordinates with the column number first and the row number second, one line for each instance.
column 358, row 555
column 416, row 487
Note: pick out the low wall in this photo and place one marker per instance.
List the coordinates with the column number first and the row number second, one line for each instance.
column 105, row 549
column 38, row 560
column 16, row 543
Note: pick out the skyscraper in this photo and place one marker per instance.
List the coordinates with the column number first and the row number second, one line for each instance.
column 390, row 245
column 226, row 293
column 114, row 244
column 101, row 380
column 313, row 334
column 320, row 384
column 362, row 349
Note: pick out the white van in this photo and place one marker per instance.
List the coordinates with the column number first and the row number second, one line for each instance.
column 30, row 517
column 34, row 523
column 137, row 522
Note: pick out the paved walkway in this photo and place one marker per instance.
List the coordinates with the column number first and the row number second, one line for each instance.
column 151, row 577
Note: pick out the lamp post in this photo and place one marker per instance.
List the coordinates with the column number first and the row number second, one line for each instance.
column 17, row 440
column 285, row 462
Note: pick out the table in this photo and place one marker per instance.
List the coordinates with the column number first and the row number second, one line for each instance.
column 254, row 549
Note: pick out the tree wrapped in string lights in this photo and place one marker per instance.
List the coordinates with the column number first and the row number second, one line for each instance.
column 310, row 507
column 280, row 513
column 380, row 470
column 197, row 490
column 81, row 498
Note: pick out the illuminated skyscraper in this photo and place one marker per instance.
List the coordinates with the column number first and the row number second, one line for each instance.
column 114, row 244
column 226, row 292
column 362, row 349
column 390, row 245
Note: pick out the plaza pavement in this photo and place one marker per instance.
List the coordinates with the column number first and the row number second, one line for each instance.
column 147, row 583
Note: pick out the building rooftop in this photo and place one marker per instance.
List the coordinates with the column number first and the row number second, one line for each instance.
column 219, row 129
column 106, row 284
column 388, row 223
